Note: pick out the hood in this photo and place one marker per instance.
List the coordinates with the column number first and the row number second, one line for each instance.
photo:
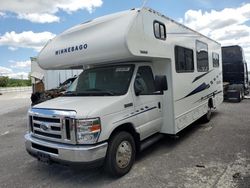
column 87, row 107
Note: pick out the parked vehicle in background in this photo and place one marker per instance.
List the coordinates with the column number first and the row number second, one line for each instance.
column 235, row 73
column 145, row 76
column 48, row 84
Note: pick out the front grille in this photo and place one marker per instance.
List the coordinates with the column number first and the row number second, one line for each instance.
column 57, row 128
column 53, row 128
column 48, row 134
column 31, row 123
column 67, row 128
column 46, row 119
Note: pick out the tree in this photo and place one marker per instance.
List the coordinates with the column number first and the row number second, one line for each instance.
column 4, row 81
column 29, row 79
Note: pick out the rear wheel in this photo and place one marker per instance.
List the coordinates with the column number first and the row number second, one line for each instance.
column 237, row 91
column 207, row 117
column 239, row 96
column 121, row 154
column 242, row 93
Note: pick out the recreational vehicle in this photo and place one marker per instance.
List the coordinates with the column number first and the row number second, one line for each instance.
column 145, row 75
column 235, row 73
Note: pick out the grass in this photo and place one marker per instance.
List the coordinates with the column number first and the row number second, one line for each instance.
column 10, row 82
column 18, row 82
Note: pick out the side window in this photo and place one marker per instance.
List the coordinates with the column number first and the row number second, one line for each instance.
column 159, row 30
column 184, row 59
column 145, row 80
column 215, row 59
column 202, row 56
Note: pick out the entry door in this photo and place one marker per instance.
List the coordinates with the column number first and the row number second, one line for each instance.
column 148, row 104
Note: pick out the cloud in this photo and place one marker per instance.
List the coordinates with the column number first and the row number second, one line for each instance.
column 228, row 26
column 4, row 71
column 232, row 33
column 12, row 48
column 20, row 64
column 44, row 11
column 2, row 14
column 19, row 75
column 39, row 18
column 26, row 39
column 217, row 19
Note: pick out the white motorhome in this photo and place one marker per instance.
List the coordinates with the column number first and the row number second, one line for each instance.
column 144, row 76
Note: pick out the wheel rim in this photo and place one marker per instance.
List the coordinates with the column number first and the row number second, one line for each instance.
column 123, row 154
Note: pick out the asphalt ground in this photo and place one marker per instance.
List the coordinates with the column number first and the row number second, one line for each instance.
column 216, row 154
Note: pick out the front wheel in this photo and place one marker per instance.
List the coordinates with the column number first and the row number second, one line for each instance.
column 121, row 154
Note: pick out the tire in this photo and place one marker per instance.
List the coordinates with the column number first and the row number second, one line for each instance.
column 246, row 91
column 239, row 96
column 242, row 94
column 121, row 154
column 207, row 117
column 239, row 91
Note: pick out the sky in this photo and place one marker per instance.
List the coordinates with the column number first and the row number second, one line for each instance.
column 26, row 25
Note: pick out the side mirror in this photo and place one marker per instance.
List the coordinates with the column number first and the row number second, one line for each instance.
column 161, row 83
column 138, row 90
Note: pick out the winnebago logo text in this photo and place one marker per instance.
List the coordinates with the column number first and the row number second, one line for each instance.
column 71, row 49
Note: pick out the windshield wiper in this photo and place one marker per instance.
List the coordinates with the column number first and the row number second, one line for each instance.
column 90, row 92
column 70, row 93
column 100, row 91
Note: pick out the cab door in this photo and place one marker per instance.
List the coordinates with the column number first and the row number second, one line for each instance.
column 147, row 103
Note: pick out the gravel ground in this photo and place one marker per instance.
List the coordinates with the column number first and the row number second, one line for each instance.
column 13, row 100
column 216, row 154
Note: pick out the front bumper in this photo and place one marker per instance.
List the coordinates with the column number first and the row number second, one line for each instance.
column 65, row 153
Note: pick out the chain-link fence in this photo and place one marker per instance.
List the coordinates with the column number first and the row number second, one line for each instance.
column 15, row 89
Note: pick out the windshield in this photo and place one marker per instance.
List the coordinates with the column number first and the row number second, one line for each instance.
column 232, row 54
column 102, row 81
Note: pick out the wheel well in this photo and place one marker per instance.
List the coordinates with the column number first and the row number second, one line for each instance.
column 128, row 127
column 210, row 103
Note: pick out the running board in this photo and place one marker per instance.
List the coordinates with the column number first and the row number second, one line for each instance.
column 151, row 140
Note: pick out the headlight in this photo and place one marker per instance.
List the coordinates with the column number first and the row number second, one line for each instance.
column 88, row 130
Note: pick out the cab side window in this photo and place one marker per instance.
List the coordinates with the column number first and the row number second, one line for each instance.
column 160, row 30
column 145, row 80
